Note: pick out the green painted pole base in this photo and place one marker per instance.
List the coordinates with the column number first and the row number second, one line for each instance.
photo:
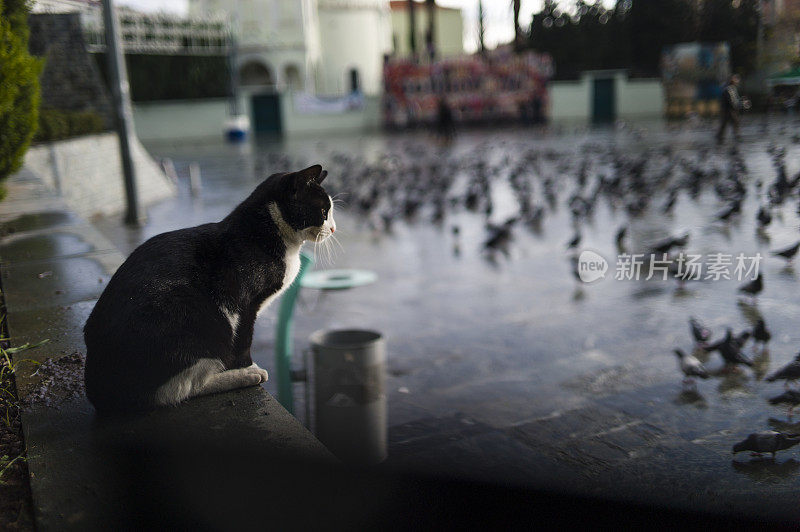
column 283, row 337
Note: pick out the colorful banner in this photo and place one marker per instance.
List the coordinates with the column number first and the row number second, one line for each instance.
column 499, row 86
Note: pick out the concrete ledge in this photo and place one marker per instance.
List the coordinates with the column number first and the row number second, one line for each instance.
column 84, row 470
column 87, row 173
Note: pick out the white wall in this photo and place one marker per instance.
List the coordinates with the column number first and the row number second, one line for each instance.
column 296, row 124
column 195, row 119
column 569, row 100
column 270, row 23
column 640, row 98
column 179, row 119
column 352, row 38
column 323, row 38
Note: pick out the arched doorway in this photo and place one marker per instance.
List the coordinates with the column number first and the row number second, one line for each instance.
column 255, row 73
column 265, row 102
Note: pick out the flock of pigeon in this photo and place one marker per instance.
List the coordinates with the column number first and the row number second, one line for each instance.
column 414, row 182
column 730, row 350
column 730, row 347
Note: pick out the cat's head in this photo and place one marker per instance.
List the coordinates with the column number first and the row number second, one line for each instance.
column 301, row 208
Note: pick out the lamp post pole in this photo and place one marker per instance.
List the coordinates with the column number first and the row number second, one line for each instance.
column 120, row 94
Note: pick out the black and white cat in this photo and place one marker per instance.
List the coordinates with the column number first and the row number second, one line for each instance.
column 176, row 319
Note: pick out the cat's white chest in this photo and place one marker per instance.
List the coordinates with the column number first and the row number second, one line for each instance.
column 292, row 263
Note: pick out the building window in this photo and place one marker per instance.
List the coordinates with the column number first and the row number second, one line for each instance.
column 292, row 76
column 355, row 81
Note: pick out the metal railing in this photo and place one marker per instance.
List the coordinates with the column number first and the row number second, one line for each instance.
column 161, row 34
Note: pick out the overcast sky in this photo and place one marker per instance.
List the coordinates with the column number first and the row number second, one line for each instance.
column 499, row 25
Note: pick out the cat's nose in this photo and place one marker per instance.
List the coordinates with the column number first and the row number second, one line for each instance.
column 333, row 229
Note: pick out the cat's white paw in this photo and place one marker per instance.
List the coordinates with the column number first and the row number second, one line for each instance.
column 250, row 379
column 254, row 369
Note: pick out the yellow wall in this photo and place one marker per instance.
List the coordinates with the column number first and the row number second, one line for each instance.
column 449, row 31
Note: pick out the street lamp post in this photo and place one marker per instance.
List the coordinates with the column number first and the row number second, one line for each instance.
column 760, row 47
column 120, row 94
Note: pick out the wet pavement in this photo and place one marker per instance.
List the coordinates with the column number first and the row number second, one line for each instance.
column 512, row 371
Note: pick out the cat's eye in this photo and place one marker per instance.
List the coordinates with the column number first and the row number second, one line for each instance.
column 324, row 213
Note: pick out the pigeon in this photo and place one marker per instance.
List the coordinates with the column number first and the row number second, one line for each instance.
column 620, row 237
column 787, row 253
column 669, row 204
column 768, row 441
column 761, row 334
column 575, row 268
column 741, row 339
column 729, row 211
column 789, row 373
column 754, row 287
column 701, row 334
column 690, row 366
column 500, row 236
column 575, row 242
column 730, row 348
column 667, row 244
column 764, row 217
column 788, row 397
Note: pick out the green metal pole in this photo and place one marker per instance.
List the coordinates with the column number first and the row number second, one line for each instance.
column 283, row 337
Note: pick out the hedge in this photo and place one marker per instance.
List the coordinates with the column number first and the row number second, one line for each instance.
column 55, row 124
column 19, row 86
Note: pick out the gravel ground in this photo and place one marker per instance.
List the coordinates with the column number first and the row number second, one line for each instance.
column 61, row 380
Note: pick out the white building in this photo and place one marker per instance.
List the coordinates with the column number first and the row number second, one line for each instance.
column 329, row 47
column 146, row 33
column 65, row 6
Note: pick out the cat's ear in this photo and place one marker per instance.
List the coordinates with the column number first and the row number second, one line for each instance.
column 312, row 174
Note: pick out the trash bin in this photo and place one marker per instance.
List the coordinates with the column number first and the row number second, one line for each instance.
column 350, row 394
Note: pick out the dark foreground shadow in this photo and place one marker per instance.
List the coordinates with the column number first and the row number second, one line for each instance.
column 765, row 468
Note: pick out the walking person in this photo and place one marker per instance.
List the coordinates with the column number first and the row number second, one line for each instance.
column 731, row 105
column 445, row 123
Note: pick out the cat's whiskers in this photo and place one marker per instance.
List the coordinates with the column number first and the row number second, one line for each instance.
column 326, row 245
column 330, row 241
column 316, row 244
column 337, row 201
column 336, row 241
column 321, row 251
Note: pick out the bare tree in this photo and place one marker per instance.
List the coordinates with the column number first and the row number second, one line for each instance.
column 412, row 28
column 517, row 4
column 481, row 44
column 430, row 35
